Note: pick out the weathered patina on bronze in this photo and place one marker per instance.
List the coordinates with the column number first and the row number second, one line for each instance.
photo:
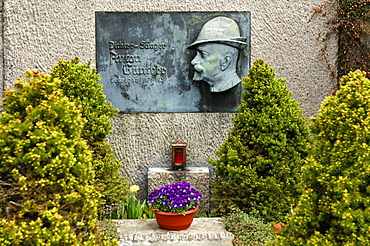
column 173, row 62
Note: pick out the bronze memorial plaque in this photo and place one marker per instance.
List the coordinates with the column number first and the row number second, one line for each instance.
column 173, row 62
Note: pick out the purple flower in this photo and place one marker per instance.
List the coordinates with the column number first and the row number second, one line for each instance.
column 177, row 197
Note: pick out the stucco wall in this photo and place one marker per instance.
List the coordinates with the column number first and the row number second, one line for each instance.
column 38, row 33
column 1, row 50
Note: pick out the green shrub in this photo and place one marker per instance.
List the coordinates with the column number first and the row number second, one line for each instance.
column 334, row 208
column 79, row 83
column 109, row 228
column 248, row 230
column 46, row 172
column 262, row 156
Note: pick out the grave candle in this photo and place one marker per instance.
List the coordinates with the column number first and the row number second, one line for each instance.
column 179, row 156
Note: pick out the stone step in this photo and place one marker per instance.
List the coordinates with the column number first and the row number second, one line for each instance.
column 202, row 232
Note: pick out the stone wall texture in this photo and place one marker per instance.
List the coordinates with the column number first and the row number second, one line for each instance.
column 37, row 33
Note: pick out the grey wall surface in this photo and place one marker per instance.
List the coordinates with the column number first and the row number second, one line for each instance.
column 1, row 50
column 37, row 33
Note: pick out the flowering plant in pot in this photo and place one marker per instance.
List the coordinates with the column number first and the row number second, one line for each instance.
column 174, row 205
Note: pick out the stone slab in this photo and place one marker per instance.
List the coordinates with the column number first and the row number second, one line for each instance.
column 197, row 177
column 202, row 232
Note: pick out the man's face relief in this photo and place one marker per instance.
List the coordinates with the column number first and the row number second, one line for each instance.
column 207, row 63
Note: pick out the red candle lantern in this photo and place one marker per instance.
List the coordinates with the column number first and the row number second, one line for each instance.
column 178, row 155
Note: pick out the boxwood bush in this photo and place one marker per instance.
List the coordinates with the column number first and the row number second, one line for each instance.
column 258, row 164
column 80, row 83
column 47, row 195
column 335, row 206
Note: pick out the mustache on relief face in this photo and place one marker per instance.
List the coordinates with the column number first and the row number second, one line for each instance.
column 198, row 68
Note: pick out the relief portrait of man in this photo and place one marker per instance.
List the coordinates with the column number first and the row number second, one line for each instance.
column 217, row 47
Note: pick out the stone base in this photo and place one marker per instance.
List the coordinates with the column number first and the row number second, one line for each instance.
column 202, row 232
column 198, row 177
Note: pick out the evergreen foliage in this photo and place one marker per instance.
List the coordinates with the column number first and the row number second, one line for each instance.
column 248, row 230
column 334, row 207
column 46, row 171
column 80, row 84
column 262, row 156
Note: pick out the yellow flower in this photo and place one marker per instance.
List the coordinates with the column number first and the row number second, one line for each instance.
column 134, row 188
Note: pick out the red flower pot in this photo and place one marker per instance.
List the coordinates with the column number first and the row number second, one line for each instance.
column 175, row 221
